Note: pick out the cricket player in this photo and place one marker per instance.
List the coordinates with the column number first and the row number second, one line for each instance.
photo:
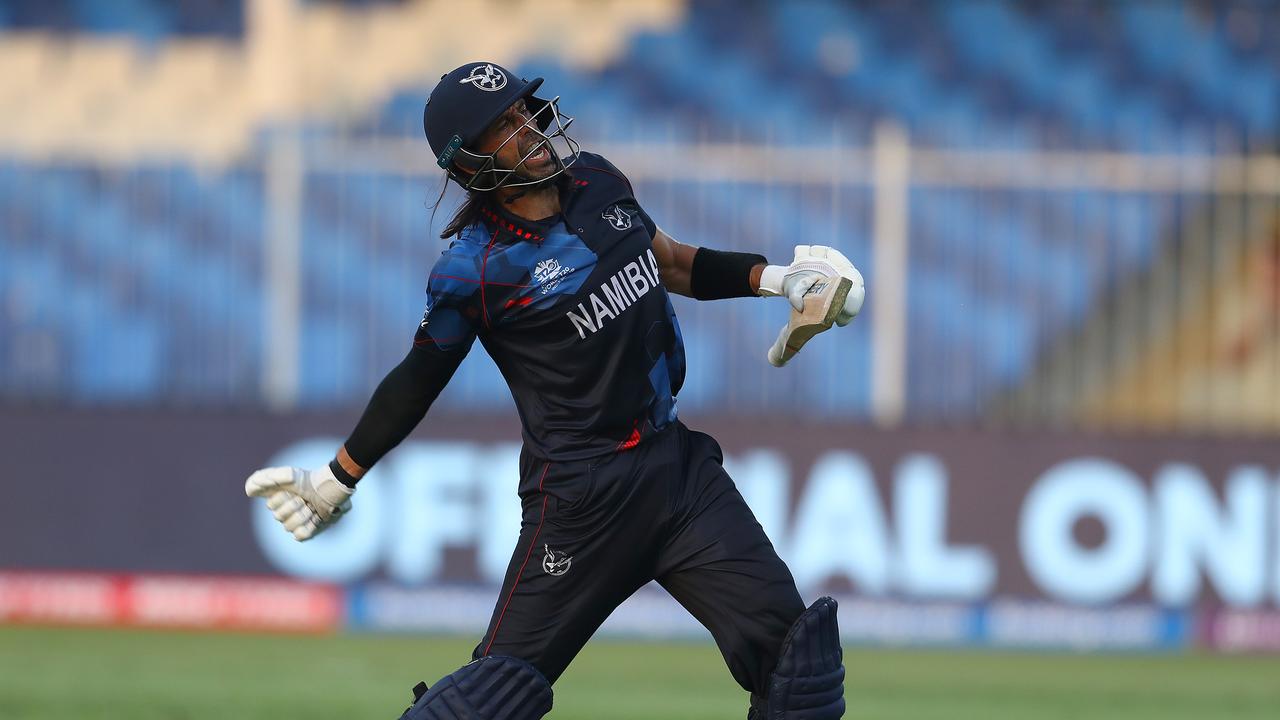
column 564, row 279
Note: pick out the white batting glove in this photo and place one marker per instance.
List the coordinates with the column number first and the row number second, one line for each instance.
column 304, row 501
column 811, row 264
column 823, row 287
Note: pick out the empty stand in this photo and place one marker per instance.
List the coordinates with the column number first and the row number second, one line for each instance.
column 135, row 266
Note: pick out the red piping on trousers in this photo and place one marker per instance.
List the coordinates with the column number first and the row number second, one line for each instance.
column 532, row 544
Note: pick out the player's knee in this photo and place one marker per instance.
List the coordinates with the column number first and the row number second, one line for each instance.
column 491, row 688
column 808, row 681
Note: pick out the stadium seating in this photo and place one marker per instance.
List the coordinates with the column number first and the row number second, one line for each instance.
column 149, row 20
column 124, row 271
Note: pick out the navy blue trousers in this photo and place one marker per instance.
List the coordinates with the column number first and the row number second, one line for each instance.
column 593, row 532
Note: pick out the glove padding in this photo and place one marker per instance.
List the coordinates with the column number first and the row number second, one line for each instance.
column 306, row 502
column 812, row 264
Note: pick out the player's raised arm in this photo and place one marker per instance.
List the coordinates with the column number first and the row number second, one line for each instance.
column 823, row 287
column 397, row 406
column 308, row 501
column 703, row 273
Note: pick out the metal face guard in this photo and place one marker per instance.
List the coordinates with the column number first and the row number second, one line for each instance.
column 487, row 176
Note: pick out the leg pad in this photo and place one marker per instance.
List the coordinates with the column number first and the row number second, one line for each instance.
column 491, row 688
column 809, row 680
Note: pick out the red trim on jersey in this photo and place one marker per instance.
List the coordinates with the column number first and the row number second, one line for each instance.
column 620, row 176
column 632, row 440
column 502, row 223
column 483, row 264
column 476, row 282
column 532, row 544
column 518, row 302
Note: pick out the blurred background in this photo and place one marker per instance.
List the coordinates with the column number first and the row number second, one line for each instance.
column 1052, row 427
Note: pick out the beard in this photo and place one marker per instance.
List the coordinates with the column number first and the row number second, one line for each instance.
column 540, row 161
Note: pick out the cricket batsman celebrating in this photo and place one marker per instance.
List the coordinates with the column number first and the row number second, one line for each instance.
column 564, row 279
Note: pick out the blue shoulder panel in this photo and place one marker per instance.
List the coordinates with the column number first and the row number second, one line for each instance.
column 542, row 272
column 450, row 321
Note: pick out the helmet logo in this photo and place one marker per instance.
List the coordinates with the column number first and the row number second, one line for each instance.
column 486, row 77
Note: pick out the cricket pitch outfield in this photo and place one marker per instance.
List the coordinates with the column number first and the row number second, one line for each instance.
column 153, row 675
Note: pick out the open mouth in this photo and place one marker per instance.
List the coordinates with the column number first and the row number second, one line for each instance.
column 540, row 156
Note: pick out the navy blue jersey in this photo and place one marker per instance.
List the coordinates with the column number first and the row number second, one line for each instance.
column 572, row 311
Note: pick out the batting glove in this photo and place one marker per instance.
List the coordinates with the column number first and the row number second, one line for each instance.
column 825, row 278
column 811, row 264
column 304, row 501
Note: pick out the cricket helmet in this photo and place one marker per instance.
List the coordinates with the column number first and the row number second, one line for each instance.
column 469, row 99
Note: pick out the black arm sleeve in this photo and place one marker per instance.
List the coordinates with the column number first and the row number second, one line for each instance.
column 720, row 274
column 400, row 402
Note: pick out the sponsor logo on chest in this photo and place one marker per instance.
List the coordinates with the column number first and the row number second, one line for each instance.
column 615, row 295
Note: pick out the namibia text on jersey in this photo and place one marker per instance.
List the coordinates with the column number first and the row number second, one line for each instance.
column 616, row 294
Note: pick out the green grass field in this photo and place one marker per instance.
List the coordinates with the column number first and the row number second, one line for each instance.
column 118, row 674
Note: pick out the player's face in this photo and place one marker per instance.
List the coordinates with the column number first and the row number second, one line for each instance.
column 518, row 145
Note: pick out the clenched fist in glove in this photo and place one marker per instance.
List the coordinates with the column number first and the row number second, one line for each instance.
column 304, row 501
column 822, row 286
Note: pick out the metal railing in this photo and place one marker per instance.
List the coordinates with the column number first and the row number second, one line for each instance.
column 1012, row 285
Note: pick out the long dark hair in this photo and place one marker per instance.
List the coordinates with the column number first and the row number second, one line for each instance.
column 471, row 210
column 466, row 215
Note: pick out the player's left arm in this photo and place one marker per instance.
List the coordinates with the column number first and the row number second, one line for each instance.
column 706, row 274
column 676, row 262
column 823, row 287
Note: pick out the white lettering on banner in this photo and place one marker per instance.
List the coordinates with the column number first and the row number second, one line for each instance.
column 347, row 551
column 840, row 528
column 1231, row 544
column 927, row 567
column 498, row 526
column 435, row 507
column 764, row 478
column 1066, row 493
column 418, row 501
column 429, row 497
column 1275, row 548
column 452, row 494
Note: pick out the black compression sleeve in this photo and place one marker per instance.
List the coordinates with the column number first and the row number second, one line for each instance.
column 400, row 402
column 722, row 274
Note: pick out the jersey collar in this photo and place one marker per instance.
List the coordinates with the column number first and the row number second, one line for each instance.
column 517, row 227
column 497, row 217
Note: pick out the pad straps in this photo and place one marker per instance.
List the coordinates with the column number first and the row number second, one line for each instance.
column 809, row 680
column 491, row 688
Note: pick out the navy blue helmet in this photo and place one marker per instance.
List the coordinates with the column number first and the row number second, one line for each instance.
column 466, row 101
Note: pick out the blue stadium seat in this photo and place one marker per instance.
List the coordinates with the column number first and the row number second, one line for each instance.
column 1134, row 77
column 149, row 20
